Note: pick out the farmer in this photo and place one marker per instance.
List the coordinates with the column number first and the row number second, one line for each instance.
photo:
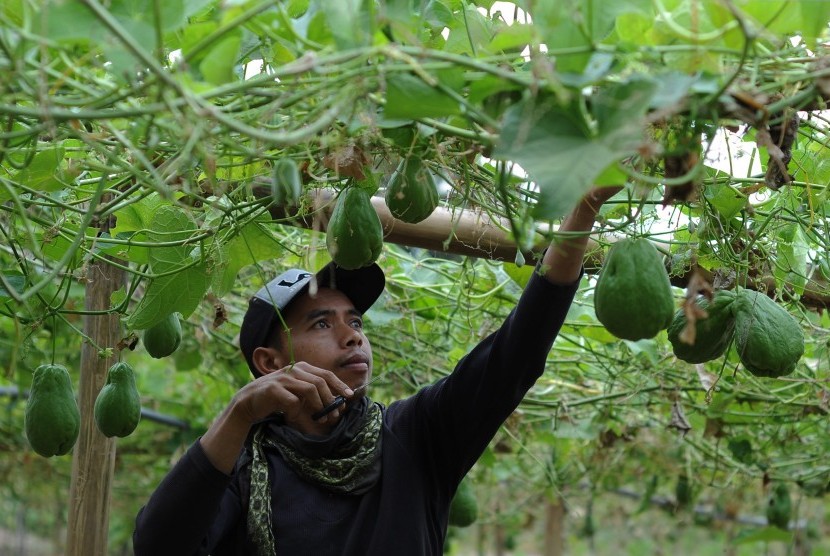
column 269, row 478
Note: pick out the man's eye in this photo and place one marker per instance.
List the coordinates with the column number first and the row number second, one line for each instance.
column 321, row 324
column 357, row 323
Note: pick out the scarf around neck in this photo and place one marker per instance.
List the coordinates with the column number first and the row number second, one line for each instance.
column 347, row 461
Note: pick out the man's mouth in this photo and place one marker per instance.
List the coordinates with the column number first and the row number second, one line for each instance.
column 356, row 362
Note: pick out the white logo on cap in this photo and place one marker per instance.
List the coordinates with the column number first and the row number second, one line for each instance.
column 301, row 276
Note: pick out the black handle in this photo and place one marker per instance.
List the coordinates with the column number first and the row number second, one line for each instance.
column 338, row 401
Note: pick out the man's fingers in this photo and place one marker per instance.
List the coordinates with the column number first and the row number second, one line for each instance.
column 335, row 385
column 314, row 388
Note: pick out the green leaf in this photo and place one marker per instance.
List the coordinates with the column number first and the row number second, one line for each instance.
column 55, row 246
column 40, row 173
column 814, row 17
column 68, row 20
column 620, row 109
column 726, row 200
column 555, row 146
column 556, row 149
column 791, row 258
column 647, row 348
column 170, row 225
column 612, row 175
column 409, row 98
column 672, row 88
column 598, row 65
column 181, row 292
column 520, row 275
column 72, row 21
column 348, row 21
column 118, row 297
column 437, row 14
column 512, row 38
column 470, row 33
column 766, row 534
column 218, row 65
column 253, row 244
column 171, row 13
column 16, row 280
column 137, row 215
column 634, row 27
column 25, row 132
column 192, row 35
column 572, row 27
column 172, row 291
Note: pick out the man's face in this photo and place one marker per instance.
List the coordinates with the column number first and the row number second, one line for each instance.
column 327, row 331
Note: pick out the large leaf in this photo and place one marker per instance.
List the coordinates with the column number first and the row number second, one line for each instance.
column 180, row 292
column 218, row 65
column 348, row 21
column 560, row 151
column 41, row 172
column 409, row 97
column 253, row 244
column 182, row 279
column 791, row 258
column 72, row 20
column 16, row 281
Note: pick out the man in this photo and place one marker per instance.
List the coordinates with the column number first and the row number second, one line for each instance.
column 268, row 478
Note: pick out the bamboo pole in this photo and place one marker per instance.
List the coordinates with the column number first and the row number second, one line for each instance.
column 475, row 234
column 470, row 233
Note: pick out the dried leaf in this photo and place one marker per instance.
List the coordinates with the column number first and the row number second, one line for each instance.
column 678, row 419
column 348, row 161
column 692, row 311
column 127, row 343
column 778, row 140
column 714, row 428
column 220, row 314
column 675, row 166
column 707, row 379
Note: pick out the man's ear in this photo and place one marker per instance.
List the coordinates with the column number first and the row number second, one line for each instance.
column 267, row 360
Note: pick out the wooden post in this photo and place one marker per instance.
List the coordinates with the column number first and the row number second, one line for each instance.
column 554, row 528
column 93, row 460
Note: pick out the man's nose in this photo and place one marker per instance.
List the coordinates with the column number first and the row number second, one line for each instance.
column 352, row 336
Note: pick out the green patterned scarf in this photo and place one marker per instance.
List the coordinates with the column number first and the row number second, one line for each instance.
column 345, row 462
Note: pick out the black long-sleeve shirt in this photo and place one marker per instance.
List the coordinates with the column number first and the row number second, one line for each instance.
column 430, row 441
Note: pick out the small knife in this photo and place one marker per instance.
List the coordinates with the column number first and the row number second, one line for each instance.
column 339, row 400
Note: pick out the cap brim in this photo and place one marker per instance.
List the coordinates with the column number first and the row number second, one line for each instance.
column 362, row 286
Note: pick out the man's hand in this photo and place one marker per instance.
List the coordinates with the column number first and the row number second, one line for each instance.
column 296, row 392
column 563, row 259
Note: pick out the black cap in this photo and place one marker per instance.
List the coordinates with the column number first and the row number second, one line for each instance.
column 362, row 286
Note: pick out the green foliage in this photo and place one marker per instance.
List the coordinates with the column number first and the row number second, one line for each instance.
column 286, row 183
column 148, row 134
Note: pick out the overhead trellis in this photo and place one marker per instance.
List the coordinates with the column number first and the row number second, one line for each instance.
column 144, row 134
